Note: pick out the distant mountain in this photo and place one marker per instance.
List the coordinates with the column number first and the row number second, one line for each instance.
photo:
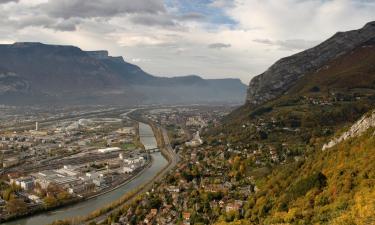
column 39, row 73
column 282, row 75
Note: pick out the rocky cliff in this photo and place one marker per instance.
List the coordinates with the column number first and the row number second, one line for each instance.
column 282, row 75
column 361, row 126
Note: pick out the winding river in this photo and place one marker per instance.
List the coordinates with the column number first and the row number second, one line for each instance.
column 85, row 207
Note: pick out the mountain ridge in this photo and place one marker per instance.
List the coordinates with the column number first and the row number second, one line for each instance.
column 287, row 71
column 67, row 74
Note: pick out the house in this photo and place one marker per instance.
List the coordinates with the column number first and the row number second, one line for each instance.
column 173, row 189
column 186, row 217
column 34, row 198
column 154, row 212
column 2, row 202
column 234, row 206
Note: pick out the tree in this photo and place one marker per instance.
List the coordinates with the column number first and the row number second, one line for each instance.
column 62, row 196
column 16, row 206
column 50, row 201
column 7, row 194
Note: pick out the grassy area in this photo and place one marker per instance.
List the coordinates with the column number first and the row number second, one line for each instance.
column 128, row 146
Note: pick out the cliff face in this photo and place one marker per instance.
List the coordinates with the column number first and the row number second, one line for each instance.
column 360, row 127
column 282, row 75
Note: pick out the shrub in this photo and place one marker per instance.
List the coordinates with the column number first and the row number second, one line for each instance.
column 316, row 180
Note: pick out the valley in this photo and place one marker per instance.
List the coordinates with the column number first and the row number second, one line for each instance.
column 104, row 120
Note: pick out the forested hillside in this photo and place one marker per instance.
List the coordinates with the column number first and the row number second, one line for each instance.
column 336, row 186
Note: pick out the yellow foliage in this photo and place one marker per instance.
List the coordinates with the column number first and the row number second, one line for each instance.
column 238, row 222
column 362, row 212
column 348, row 197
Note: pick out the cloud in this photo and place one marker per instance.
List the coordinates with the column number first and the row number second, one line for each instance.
column 65, row 25
column 291, row 45
column 153, row 20
column 138, row 60
column 192, row 16
column 222, row 3
column 45, row 22
column 100, row 8
column 7, row 1
column 219, row 46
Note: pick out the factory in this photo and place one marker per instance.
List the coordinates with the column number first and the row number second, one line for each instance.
column 45, row 178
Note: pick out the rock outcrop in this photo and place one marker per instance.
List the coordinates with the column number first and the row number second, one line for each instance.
column 361, row 126
column 282, row 75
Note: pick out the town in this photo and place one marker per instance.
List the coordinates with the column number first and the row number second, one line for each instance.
column 57, row 161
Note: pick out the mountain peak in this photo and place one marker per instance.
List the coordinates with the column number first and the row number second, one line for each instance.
column 26, row 44
column 369, row 25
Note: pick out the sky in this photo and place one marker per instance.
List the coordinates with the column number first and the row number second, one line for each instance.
column 210, row 38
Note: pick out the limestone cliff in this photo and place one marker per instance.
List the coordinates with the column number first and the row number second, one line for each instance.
column 361, row 126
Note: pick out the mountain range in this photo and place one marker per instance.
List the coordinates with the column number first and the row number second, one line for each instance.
column 36, row 73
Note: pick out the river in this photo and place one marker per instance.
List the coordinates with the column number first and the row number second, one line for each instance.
column 83, row 208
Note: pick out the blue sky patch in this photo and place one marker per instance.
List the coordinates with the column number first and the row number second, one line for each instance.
column 213, row 15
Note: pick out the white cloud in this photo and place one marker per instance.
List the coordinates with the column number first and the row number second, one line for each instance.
column 219, row 45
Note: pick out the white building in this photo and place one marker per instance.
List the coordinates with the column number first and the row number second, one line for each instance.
column 108, row 150
column 196, row 141
column 26, row 183
column 127, row 169
column 11, row 161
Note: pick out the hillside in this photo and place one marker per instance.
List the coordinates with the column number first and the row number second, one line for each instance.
column 335, row 186
column 36, row 73
column 281, row 143
column 321, row 102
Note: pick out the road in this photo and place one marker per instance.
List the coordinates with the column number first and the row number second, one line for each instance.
column 172, row 158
